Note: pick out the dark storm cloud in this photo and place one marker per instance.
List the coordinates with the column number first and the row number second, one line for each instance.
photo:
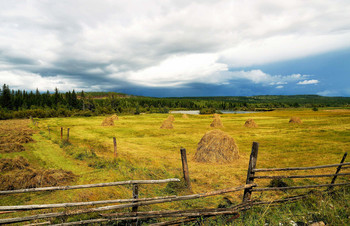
column 158, row 46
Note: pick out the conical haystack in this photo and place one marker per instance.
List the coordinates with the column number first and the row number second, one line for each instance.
column 171, row 118
column 216, row 122
column 114, row 117
column 216, row 115
column 108, row 122
column 185, row 116
column 216, row 146
column 295, row 120
column 167, row 124
column 250, row 123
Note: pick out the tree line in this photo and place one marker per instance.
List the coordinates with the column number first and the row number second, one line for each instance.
column 22, row 103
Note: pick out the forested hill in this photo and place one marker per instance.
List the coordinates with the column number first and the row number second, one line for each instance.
column 285, row 99
column 22, row 104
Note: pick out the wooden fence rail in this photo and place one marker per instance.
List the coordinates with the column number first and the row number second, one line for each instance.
column 300, row 168
column 122, row 206
column 90, row 185
column 252, row 170
column 300, row 176
column 189, row 215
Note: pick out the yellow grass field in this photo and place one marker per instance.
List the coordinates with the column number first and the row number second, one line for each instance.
column 147, row 152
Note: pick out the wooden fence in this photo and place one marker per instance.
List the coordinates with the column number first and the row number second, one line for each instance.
column 252, row 170
column 186, row 215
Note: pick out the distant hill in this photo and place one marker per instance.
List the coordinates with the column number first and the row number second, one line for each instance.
column 287, row 99
column 102, row 95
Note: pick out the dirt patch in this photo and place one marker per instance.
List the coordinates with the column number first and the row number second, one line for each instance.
column 216, row 146
column 250, row 123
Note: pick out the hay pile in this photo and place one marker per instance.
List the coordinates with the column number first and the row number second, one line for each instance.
column 17, row 174
column 250, row 123
column 295, row 120
column 217, row 147
column 8, row 148
column 216, row 122
column 185, row 116
column 108, row 122
column 115, row 117
column 167, row 124
column 11, row 164
column 32, row 178
column 14, row 133
column 171, row 118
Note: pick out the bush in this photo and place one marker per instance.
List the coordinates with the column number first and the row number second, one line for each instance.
column 207, row 111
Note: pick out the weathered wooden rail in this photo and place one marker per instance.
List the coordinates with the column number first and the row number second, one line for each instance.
column 187, row 215
column 252, row 170
column 134, row 203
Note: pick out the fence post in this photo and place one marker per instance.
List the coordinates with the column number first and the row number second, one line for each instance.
column 252, row 165
column 115, row 147
column 338, row 170
column 185, row 168
column 135, row 195
column 61, row 133
column 67, row 135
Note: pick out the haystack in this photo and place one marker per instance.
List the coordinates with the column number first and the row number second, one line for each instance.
column 114, row 117
column 185, row 116
column 167, row 124
column 250, row 123
column 108, row 122
column 216, row 122
column 216, row 115
column 171, row 118
column 216, row 146
column 295, row 120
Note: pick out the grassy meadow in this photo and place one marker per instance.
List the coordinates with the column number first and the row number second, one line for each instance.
column 147, row 152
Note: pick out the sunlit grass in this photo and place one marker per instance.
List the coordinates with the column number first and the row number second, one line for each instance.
column 147, row 152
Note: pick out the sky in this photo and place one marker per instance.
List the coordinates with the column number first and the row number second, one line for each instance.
column 167, row 48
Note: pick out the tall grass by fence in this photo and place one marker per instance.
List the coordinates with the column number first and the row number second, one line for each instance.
column 188, row 215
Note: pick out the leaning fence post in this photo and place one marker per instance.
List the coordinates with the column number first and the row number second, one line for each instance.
column 61, row 133
column 135, row 195
column 252, row 165
column 338, row 170
column 185, row 168
column 115, row 147
column 67, row 135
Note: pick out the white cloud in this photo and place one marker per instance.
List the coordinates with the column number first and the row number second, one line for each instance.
column 30, row 81
column 328, row 93
column 177, row 70
column 279, row 87
column 165, row 43
column 308, row 82
column 260, row 77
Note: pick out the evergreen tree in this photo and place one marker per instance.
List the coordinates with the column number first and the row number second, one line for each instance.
column 6, row 97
